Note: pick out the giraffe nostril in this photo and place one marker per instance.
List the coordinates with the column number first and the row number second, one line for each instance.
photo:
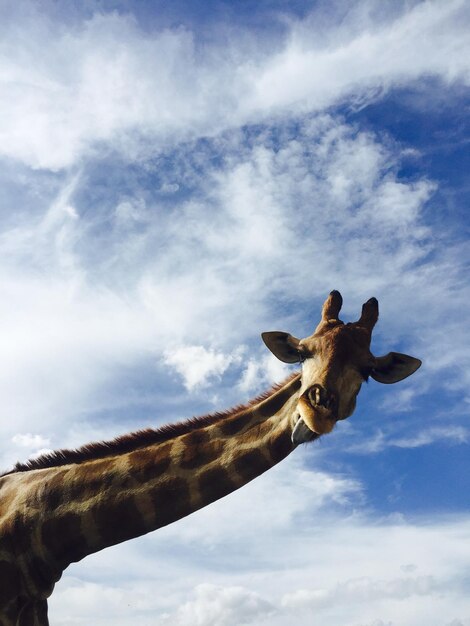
column 319, row 396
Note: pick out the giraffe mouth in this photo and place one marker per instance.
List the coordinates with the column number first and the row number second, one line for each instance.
column 302, row 433
column 320, row 419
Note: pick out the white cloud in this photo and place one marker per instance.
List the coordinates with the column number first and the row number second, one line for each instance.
column 28, row 440
column 69, row 90
column 127, row 212
column 456, row 434
column 90, row 601
column 360, row 590
column 362, row 56
column 197, row 365
column 262, row 372
column 451, row 434
column 220, row 606
column 376, row 622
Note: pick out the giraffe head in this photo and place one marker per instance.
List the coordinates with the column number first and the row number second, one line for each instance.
column 336, row 360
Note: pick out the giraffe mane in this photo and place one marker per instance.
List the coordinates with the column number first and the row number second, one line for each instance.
column 140, row 438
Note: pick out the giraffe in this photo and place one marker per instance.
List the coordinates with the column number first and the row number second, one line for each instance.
column 59, row 508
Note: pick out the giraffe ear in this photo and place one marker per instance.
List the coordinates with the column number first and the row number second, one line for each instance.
column 394, row 367
column 284, row 346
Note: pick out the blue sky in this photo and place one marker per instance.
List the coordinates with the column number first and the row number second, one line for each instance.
column 179, row 177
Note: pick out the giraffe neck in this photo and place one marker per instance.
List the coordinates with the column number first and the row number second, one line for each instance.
column 74, row 510
column 24, row 612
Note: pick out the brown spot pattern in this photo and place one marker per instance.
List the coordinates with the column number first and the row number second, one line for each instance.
column 94, row 470
column 27, row 616
column 234, row 425
column 20, row 532
column 54, row 491
column 196, row 438
column 62, row 536
column 41, row 575
column 119, row 520
column 251, row 464
column 85, row 482
column 280, row 447
column 10, row 582
column 105, row 472
column 196, row 455
column 275, row 404
column 171, row 500
column 150, row 463
column 214, row 484
column 34, row 614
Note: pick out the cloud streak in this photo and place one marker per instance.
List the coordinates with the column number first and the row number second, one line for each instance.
column 450, row 434
column 105, row 82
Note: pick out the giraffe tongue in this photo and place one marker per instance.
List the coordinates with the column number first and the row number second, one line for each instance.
column 302, row 433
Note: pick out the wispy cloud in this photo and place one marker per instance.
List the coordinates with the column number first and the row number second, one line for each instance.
column 451, row 434
column 363, row 56
column 362, row 590
column 227, row 606
column 197, row 364
column 105, row 81
column 28, row 440
column 261, row 372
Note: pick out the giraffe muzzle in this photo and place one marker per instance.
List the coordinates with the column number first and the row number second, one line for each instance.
column 317, row 408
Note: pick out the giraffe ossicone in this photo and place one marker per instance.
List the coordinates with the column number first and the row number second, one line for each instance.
column 57, row 509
